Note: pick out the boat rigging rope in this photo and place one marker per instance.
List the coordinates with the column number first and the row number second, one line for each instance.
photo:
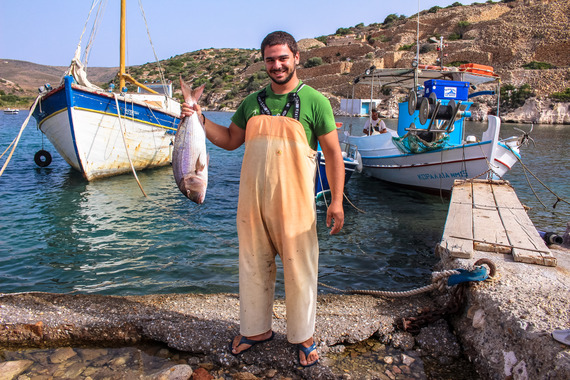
column 489, row 165
column 17, row 139
column 94, row 30
column 162, row 78
column 125, row 143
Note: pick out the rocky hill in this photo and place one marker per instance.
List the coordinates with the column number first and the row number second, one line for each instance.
column 23, row 78
column 526, row 41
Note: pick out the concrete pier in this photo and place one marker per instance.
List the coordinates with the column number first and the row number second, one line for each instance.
column 507, row 327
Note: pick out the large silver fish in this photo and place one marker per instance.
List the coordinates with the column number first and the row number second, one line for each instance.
column 189, row 157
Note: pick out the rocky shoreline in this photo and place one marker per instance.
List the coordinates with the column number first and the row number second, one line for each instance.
column 198, row 324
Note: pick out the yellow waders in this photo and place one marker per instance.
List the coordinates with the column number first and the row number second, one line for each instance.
column 276, row 215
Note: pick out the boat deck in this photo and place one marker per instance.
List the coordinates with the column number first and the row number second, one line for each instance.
column 488, row 216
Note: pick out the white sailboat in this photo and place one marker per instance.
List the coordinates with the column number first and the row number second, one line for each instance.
column 103, row 133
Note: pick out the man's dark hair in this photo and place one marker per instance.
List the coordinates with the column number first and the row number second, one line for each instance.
column 279, row 38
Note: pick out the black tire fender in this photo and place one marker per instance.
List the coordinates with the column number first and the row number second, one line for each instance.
column 42, row 158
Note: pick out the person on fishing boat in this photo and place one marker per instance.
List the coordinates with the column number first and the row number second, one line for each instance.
column 374, row 125
column 281, row 126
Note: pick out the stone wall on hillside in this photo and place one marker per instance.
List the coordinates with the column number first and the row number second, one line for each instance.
column 542, row 82
column 331, row 54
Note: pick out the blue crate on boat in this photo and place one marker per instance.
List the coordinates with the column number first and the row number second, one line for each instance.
column 447, row 89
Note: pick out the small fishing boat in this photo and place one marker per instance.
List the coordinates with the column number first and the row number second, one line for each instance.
column 430, row 148
column 102, row 133
column 352, row 163
column 11, row 111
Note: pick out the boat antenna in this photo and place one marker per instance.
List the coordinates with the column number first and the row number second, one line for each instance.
column 370, row 71
column 417, row 60
column 418, row 36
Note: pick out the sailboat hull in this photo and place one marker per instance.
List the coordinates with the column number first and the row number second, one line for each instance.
column 84, row 127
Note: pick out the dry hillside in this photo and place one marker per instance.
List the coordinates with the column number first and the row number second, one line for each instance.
column 506, row 35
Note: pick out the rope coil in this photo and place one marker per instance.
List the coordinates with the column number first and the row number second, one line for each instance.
column 438, row 281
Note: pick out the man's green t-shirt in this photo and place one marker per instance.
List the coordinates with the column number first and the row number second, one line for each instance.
column 315, row 114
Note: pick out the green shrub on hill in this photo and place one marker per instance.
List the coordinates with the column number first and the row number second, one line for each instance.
column 534, row 65
column 313, row 62
column 514, row 97
column 343, row 31
column 407, row 47
column 456, row 63
column 563, row 96
column 14, row 101
column 323, row 39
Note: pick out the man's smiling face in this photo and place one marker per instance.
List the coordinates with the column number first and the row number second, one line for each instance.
column 280, row 63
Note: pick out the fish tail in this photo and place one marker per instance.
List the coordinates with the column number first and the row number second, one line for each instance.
column 191, row 96
column 198, row 92
column 186, row 91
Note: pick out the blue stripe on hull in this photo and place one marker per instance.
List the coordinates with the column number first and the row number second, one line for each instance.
column 69, row 97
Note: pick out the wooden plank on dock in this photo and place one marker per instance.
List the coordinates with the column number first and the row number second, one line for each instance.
column 457, row 238
column 487, row 216
column 488, row 231
column 528, row 246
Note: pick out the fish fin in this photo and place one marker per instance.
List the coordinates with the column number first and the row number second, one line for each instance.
column 200, row 164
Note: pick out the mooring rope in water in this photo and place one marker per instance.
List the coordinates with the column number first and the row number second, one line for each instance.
column 352, row 204
column 8, row 148
column 125, row 143
column 438, row 282
column 17, row 139
column 525, row 170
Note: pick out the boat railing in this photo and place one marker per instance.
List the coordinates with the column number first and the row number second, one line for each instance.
column 350, row 150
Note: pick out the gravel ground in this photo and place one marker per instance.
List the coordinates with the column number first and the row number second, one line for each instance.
column 197, row 324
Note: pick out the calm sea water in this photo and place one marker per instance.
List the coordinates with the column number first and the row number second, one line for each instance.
column 62, row 234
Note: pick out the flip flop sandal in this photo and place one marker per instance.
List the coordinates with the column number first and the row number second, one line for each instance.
column 306, row 351
column 251, row 342
column 562, row 336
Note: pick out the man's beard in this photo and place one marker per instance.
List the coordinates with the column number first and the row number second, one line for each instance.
column 284, row 81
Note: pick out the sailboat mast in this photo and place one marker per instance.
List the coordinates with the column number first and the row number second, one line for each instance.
column 123, row 76
column 122, row 45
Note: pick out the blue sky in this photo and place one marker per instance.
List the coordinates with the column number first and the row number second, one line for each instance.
column 47, row 31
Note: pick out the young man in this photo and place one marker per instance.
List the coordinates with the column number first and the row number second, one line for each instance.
column 280, row 126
